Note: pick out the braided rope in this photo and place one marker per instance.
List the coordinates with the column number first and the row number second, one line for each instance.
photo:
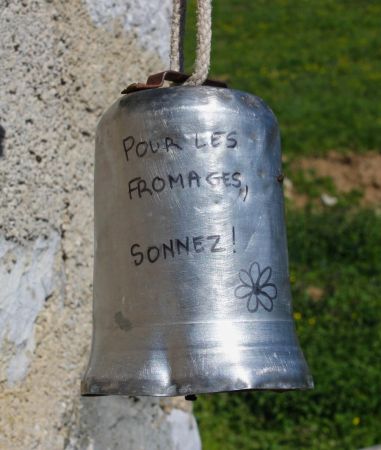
column 204, row 38
column 177, row 35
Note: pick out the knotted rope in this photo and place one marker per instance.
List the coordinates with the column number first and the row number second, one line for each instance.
column 204, row 38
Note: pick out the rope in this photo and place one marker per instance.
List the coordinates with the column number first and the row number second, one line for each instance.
column 177, row 35
column 204, row 38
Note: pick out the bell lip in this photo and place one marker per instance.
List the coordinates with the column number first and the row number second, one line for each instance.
column 183, row 87
column 242, row 96
column 173, row 89
column 102, row 389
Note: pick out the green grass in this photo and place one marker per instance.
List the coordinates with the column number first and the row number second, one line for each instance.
column 317, row 63
column 341, row 338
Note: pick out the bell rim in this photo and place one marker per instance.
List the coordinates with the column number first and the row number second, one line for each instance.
column 93, row 388
column 185, row 88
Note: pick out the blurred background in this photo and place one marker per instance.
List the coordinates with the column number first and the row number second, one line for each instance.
column 317, row 64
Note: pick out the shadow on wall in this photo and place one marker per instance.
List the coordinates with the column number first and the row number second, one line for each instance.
column 2, row 137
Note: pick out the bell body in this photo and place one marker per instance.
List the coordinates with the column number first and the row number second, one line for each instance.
column 191, row 283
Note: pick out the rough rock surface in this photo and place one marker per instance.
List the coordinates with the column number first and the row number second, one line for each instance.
column 59, row 71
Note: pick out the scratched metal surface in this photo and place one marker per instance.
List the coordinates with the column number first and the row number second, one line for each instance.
column 215, row 313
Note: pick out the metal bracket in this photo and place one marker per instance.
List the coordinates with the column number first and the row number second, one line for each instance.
column 157, row 81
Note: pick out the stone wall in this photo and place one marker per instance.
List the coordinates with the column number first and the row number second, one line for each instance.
column 62, row 64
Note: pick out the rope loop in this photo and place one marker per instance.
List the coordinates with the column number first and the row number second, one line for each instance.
column 177, row 35
column 204, row 38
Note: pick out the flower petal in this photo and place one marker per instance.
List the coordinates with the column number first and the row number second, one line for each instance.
column 252, row 303
column 243, row 291
column 254, row 272
column 245, row 278
column 265, row 301
column 265, row 276
column 269, row 290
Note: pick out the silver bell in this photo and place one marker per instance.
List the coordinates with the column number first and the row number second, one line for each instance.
column 191, row 282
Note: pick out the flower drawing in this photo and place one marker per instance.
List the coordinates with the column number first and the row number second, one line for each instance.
column 256, row 288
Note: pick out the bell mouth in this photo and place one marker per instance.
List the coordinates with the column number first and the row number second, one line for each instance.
column 85, row 393
column 94, row 388
column 273, row 362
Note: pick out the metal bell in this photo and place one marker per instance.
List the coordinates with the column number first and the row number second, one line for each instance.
column 191, row 282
